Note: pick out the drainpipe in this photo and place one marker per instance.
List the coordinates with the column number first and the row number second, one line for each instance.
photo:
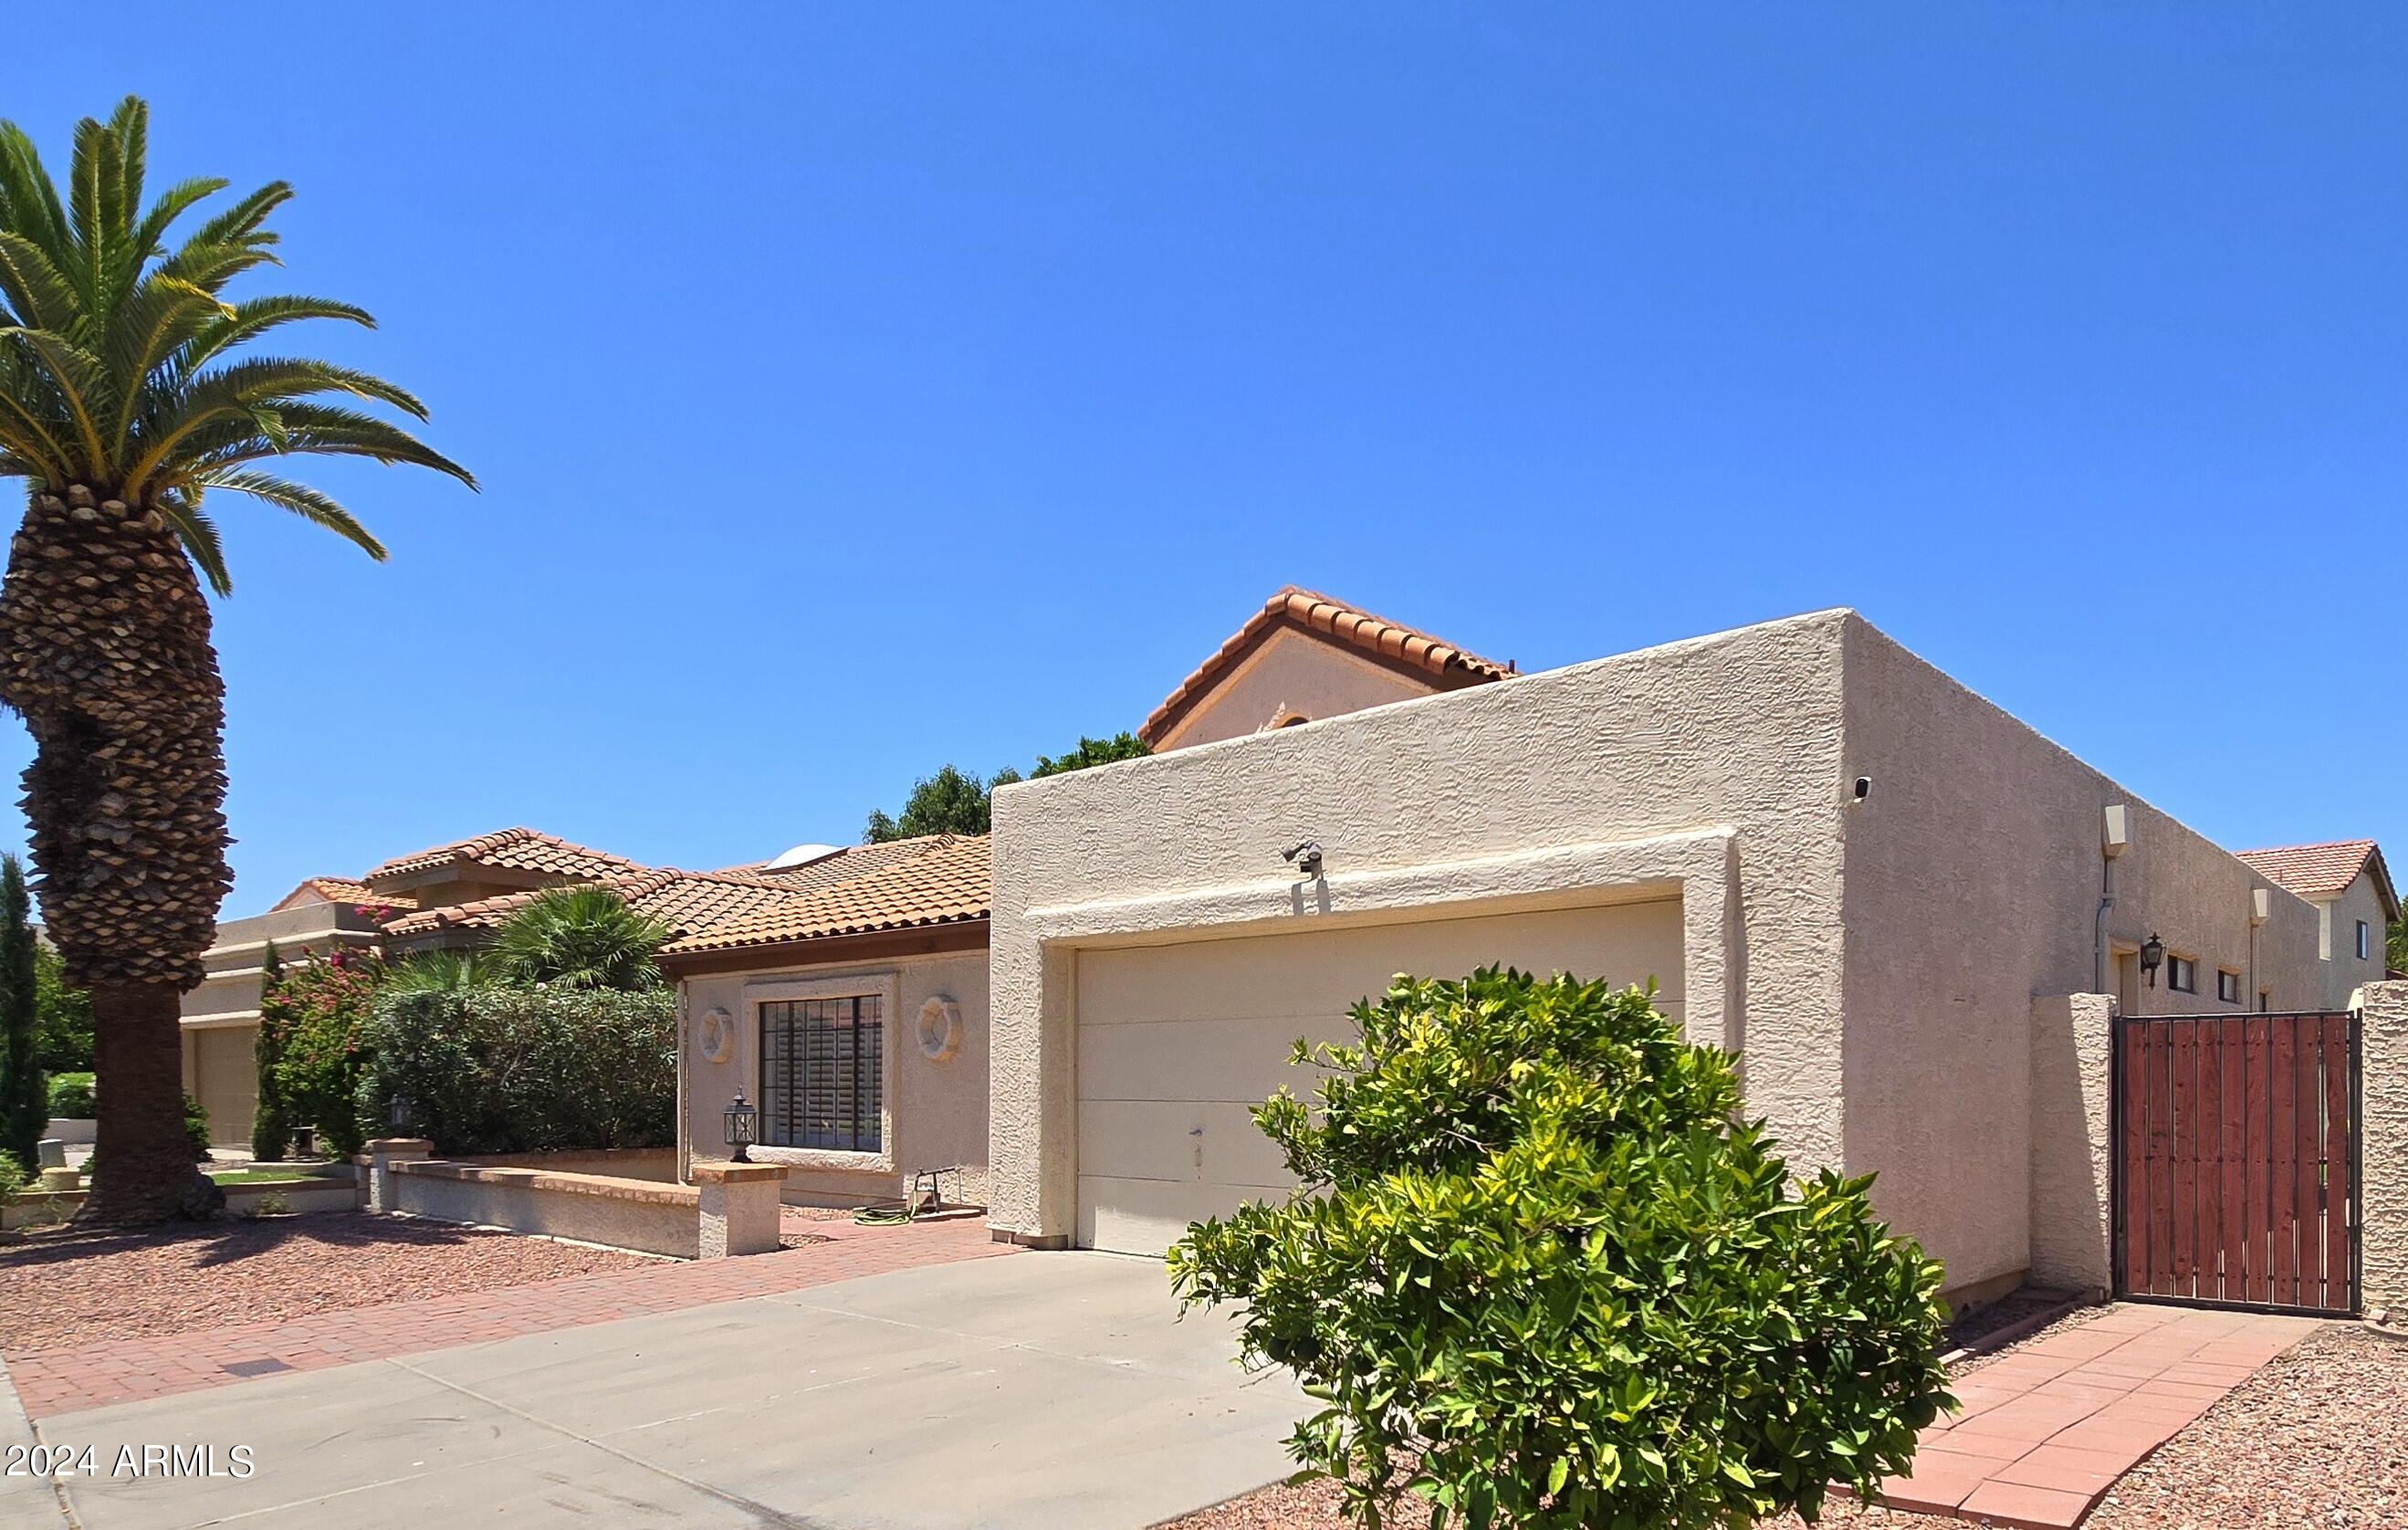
column 2113, row 841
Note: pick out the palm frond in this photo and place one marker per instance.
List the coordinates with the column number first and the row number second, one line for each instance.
column 150, row 238
column 120, row 353
column 302, row 500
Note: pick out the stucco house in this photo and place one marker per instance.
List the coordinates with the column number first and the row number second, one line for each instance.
column 1891, row 898
column 856, row 1023
column 2349, row 887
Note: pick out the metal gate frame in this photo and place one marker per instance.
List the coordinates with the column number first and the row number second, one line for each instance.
column 2120, row 1200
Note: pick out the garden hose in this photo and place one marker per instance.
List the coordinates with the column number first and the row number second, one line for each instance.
column 883, row 1216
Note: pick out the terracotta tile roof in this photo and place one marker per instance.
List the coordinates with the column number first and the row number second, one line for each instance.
column 949, row 882
column 1293, row 607
column 519, row 849
column 685, row 901
column 341, row 889
column 2323, row 871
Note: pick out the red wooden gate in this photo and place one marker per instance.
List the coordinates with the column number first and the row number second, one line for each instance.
column 2236, row 1159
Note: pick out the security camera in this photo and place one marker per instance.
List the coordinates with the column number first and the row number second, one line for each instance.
column 1305, row 855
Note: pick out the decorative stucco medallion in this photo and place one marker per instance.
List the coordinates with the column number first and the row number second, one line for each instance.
column 718, row 1034
column 940, row 1029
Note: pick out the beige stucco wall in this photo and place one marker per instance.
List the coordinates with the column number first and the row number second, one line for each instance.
column 1874, row 963
column 2346, row 972
column 1707, row 770
column 936, row 1111
column 2383, row 1154
column 1291, row 674
column 1973, row 872
column 222, row 1073
column 652, row 1218
column 2069, row 1204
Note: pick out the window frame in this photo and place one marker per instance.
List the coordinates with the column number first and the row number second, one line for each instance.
column 2227, row 986
column 880, row 983
column 2178, row 968
column 2365, row 947
column 858, row 1062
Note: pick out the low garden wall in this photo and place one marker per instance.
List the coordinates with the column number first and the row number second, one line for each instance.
column 731, row 1208
column 341, row 1190
column 653, row 1164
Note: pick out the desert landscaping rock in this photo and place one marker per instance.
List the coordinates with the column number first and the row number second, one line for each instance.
column 67, row 1288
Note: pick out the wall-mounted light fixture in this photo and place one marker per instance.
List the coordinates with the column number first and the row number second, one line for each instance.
column 738, row 1127
column 1305, row 855
column 2153, row 956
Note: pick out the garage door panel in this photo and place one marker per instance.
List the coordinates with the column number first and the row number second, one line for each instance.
column 1174, row 1037
column 1147, row 1216
column 1151, row 1139
column 1217, row 1059
column 1325, row 971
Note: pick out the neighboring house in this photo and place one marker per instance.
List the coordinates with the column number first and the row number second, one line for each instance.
column 2350, row 888
column 221, row 1016
column 1881, row 891
column 1304, row 656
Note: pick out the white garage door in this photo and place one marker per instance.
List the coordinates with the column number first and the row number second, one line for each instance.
column 1177, row 1042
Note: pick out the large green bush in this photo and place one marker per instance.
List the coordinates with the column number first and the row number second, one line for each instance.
column 1541, row 1276
column 71, row 1096
column 495, row 1068
column 320, row 1009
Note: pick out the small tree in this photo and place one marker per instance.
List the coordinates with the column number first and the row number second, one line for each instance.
column 24, row 1097
column 949, row 802
column 1091, row 751
column 65, row 1015
column 1541, row 1276
column 325, row 1050
column 271, row 1119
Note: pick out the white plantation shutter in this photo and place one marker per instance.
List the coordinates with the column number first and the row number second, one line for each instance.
column 823, row 1073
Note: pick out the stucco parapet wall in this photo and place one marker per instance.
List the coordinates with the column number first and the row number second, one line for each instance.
column 650, row 1191
column 1698, row 865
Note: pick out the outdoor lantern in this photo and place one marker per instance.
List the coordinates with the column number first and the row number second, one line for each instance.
column 739, row 1127
column 2153, row 955
column 400, row 1114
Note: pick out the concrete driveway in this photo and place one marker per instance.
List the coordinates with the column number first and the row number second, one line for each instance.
column 1044, row 1390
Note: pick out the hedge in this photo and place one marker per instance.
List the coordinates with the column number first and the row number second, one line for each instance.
column 504, row 1070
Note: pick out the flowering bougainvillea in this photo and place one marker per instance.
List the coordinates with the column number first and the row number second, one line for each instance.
column 320, row 1009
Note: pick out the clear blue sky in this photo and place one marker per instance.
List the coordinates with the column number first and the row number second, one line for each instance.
column 856, row 389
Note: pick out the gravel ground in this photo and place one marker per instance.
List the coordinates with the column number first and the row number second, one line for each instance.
column 74, row 1287
column 2318, row 1438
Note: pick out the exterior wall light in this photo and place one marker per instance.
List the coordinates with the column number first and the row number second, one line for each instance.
column 738, row 1123
column 2153, row 956
column 401, row 1113
column 1305, row 855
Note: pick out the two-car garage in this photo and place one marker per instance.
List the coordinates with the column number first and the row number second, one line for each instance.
column 1176, row 1041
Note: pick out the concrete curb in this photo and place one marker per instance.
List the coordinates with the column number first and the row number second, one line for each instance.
column 27, row 1500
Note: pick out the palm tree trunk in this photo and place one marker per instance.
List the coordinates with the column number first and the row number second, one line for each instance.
column 104, row 650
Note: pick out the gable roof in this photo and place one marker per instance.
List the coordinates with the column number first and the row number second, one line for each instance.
column 340, row 890
column 948, row 882
column 516, row 850
column 2324, row 870
column 1392, row 643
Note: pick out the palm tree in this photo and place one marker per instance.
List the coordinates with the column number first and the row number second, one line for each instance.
column 122, row 402
column 579, row 937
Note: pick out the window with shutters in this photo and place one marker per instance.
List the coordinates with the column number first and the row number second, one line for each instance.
column 823, row 1077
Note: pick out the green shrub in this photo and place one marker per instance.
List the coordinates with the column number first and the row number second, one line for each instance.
column 271, row 1114
column 324, row 1010
column 196, row 1128
column 1541, row 1276
column 504, row 1070
column 71, row 1096
column 13, row 1178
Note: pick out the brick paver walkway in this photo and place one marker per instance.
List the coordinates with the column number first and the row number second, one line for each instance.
column 2046, row 1430
column 67, row 1381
